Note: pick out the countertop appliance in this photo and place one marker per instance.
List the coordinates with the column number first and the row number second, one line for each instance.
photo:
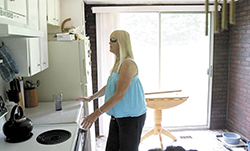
column 61, row 134
column 69, row 73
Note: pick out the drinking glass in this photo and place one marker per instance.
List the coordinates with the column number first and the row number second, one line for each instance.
column 58, row 101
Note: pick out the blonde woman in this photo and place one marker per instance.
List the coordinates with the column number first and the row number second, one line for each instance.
column 124, row 98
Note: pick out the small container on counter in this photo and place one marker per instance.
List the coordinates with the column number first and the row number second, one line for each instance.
column 31, row 99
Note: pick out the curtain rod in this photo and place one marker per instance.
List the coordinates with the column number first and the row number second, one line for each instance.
column 179, row 8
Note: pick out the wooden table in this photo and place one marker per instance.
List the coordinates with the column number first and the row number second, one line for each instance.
column 159, row 101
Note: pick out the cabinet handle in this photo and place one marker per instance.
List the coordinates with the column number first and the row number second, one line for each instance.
column 44, row 63
column 54, row 19
column 39, row 64
column 12, row 0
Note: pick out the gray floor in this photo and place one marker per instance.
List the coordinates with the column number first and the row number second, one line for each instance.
column 201, row 140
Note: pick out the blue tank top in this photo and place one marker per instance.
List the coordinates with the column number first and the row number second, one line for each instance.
column 133, row 103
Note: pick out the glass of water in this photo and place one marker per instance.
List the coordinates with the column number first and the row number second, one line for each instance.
column 58, row 101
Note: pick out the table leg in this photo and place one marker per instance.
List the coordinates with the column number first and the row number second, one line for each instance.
column 167, row 133
column 149, row 133
column 158, row 130
column 160, row 140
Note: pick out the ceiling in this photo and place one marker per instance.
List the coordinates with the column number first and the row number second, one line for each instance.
column 149, row 1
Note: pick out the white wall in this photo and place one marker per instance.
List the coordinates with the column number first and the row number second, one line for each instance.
column 73, row 9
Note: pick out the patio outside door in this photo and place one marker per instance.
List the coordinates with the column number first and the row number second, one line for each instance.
column 172, row 53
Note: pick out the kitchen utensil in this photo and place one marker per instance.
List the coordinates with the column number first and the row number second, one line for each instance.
column 18, row 128
column 15, row 85
column 13, row 96
column 15, row 89
column 231, row 138
column 31, row 85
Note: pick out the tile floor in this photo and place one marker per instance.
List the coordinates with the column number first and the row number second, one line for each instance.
column 201, row 140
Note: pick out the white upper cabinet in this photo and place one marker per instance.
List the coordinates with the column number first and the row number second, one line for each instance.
column 20, row 49
column 13, row 11
column 53, row 12
column 32, row 14
column 33, row 43
column 16, row 6
column 2, row 4
column 58, row 12
column 44, row 39
column 31, row 54
column 34, row 54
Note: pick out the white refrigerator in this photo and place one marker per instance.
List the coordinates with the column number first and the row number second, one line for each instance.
column 69, row 73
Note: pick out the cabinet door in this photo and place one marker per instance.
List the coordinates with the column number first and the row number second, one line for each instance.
column 18, row 49
column 44, row 39
column 34, row 54
column 17, row 6
column 32, row 14
column 51, row 11
column 57, row 13
column 2, row 4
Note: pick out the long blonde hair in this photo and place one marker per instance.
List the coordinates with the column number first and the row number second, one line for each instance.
column 125, row 48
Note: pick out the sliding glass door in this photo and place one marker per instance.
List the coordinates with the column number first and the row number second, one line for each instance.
column 184, row 63
column 172, row 53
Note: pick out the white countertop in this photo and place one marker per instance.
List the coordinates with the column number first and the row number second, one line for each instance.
column 45, row 113
column 45, row 117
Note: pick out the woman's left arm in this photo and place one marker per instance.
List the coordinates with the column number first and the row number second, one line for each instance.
column 127, row 71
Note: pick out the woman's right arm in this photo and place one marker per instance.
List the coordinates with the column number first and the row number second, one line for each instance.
column 98, row 94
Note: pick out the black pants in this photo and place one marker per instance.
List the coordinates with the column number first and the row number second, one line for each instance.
column 125, row 133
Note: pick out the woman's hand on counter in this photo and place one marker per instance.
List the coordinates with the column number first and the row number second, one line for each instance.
column 89, row 120
column 84, row 99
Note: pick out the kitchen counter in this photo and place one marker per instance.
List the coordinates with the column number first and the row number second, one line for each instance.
column 45, row 117
column 45, row 113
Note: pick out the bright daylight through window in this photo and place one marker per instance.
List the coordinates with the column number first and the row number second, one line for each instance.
column 172, row 53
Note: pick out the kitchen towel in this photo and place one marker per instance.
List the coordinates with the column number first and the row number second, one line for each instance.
column 8, row 66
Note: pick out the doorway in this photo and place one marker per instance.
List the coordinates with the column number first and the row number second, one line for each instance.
column 172, row 53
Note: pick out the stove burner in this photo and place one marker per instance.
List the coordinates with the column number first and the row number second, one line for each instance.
column 53, row 137
column 18, row 139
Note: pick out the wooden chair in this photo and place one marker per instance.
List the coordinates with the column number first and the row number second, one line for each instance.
column 159, row 101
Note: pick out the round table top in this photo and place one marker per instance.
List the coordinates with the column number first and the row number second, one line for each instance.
column 164, row 101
